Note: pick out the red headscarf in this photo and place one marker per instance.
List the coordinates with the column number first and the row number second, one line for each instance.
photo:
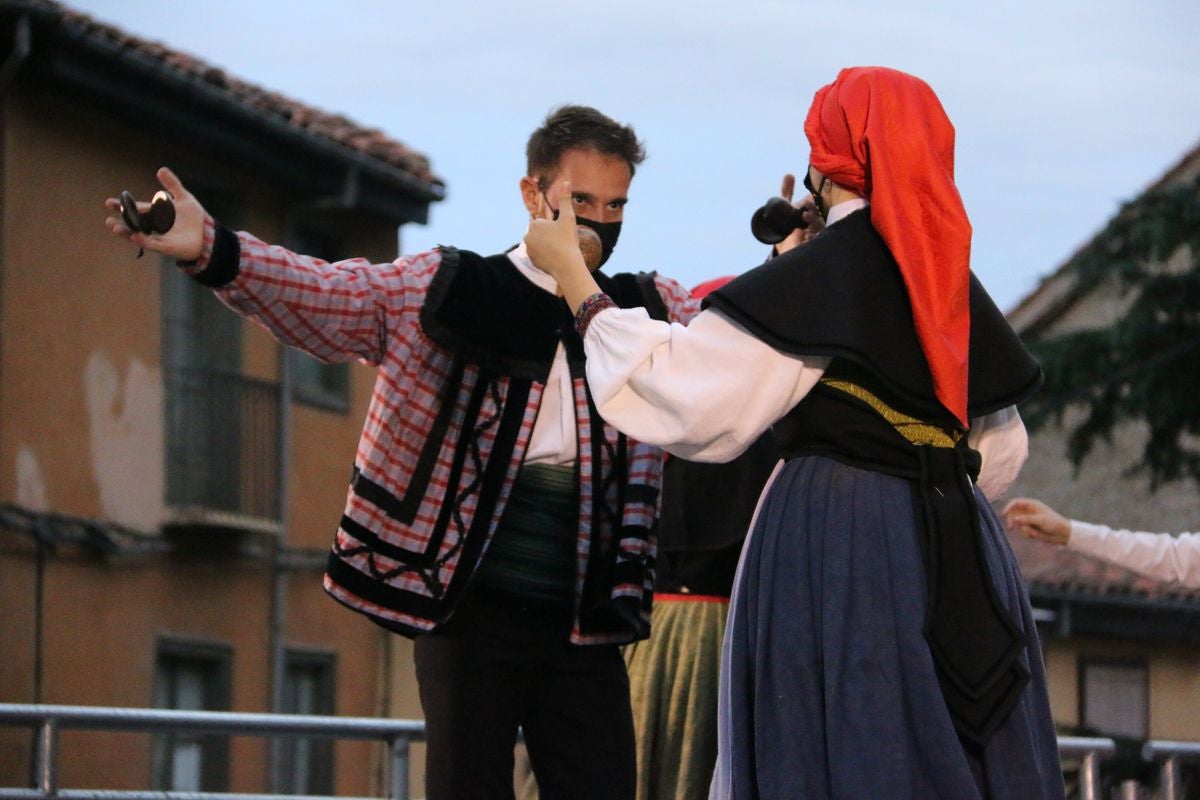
column 884, row 134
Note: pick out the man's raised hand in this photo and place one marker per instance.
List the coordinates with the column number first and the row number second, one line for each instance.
column 184, row 241
column 552, row 243
column 814, row 222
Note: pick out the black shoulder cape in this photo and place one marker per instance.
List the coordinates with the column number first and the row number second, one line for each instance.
column 842, row 295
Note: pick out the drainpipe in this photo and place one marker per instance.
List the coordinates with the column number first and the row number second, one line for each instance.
column 279, row 571
column 277, row 619
column 22, row 46
column 42, row 538
column 280, row 567
column 43, row 541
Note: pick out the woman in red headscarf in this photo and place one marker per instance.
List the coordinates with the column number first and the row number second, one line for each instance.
column 880, row 641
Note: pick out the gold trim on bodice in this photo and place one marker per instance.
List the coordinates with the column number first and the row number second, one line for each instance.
column 914, row 430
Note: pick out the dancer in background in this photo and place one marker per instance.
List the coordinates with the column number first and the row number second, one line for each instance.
column 1160, row 556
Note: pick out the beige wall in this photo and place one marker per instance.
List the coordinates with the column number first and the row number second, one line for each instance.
column 1062, row 681
column 405, row 702
column 81, row 330
column 1174, row 682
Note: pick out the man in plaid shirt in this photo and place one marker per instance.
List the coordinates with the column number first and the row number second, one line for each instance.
column 493, row 516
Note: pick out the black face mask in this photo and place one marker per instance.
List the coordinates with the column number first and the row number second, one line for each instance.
column 818, row 201
column 608, row 232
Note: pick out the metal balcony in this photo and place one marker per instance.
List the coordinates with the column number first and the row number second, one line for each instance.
column 223, row 449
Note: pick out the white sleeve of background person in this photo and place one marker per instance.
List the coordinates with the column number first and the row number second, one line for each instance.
column 703, row 392
column 1155, row 555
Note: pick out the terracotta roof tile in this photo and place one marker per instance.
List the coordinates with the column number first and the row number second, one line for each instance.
column 335, row 127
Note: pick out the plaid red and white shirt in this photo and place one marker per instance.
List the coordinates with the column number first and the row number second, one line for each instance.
column 446, row 431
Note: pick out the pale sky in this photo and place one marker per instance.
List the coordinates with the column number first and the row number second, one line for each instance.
column 1063, row 110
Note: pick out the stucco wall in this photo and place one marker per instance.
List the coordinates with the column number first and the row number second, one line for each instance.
column 1173, row 681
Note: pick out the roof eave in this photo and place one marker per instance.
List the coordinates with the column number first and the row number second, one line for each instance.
column 175, row 104
column 1083, row 612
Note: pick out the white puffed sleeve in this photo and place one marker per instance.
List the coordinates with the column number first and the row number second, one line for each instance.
column 704, row 392
column 1001, row 439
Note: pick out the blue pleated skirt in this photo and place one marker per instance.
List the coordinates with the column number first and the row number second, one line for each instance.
column 828, row 688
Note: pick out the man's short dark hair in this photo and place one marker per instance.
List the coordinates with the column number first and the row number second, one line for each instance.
column 570, row 127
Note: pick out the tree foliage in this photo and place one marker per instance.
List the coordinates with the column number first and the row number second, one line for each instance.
column 1146, row 366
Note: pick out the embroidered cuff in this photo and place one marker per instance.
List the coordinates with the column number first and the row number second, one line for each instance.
column 220, row 254
column 589, row 308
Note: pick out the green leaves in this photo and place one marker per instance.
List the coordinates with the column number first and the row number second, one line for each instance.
column 1146, row 365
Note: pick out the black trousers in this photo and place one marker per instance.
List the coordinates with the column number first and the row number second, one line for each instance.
column 496, row 667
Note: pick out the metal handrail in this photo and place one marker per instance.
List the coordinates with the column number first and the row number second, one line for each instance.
column 1090, row 751
column 1169, row 753
column 48, row 720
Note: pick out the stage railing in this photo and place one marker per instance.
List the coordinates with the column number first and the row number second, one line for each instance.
column 48, row 720
column 397, row 735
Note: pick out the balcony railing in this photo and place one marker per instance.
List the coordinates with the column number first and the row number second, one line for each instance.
column 223, row 444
